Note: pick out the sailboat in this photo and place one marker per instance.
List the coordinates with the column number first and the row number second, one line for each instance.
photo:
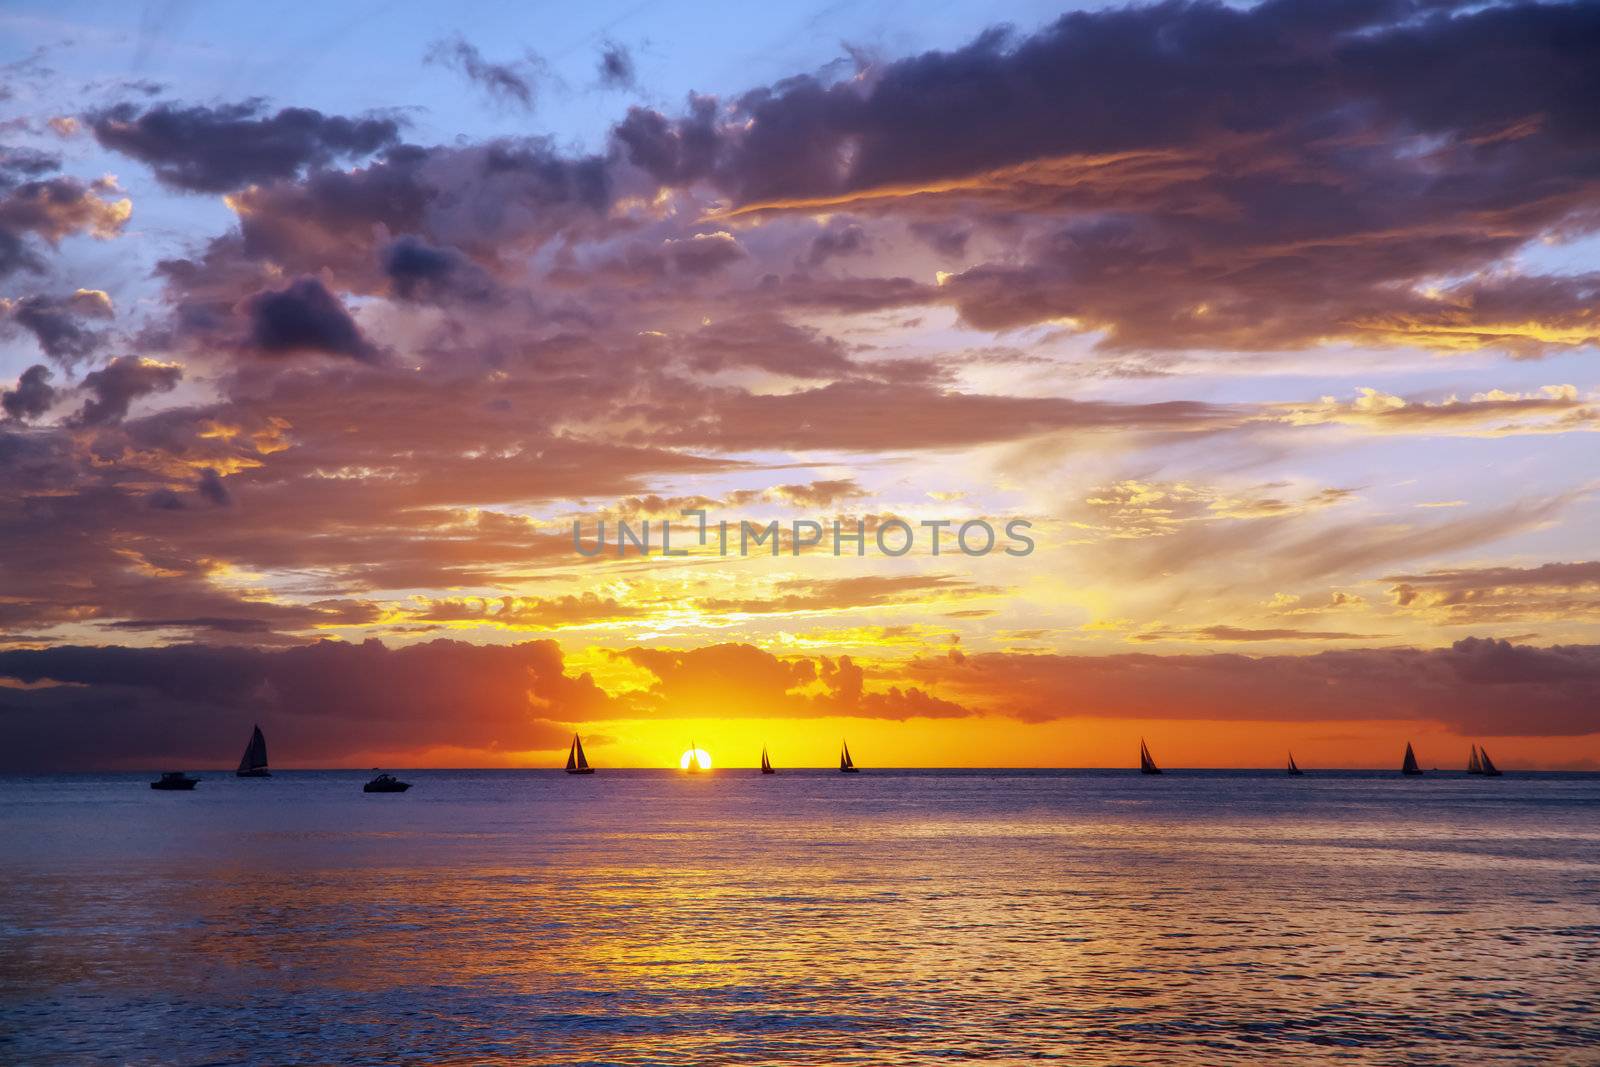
column 1474, row 764
column 694, row 760
column 1146, row 764
column 253, row 764
column 766, row 763
column 576, row 763
column 846, row 764
column 1410, row 765
column 1292, row 768
column 1486, row 765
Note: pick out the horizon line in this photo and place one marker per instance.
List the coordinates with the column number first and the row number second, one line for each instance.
column 756, row 767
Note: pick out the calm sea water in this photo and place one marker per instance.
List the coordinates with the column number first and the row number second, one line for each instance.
column 807, row 917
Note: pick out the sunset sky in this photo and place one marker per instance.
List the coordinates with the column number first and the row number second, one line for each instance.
column 319, row 327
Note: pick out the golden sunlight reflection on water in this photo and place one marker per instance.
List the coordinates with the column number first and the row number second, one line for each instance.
column 807, row 917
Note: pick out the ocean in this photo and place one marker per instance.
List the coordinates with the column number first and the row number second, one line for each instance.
column 890, row 917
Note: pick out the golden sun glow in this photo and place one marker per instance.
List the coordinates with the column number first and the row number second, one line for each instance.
column 689, row 756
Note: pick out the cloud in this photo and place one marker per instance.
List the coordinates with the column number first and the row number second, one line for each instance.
column 219, row 149
column 1495, row 413
column 1475, row 686
column 504, row 83
column 52, row 209
column 1244, row 179
column 741, row 681
column 304, row 317
column 1567, row 593
column 114, row 387
column 867, row 416
column 842, row 594
column 526, row 613
column 1237, row 633
column 56, row 322
column 325, row 703
column 704, row 253
column 19, row 164
column 847, row 239
column 418, row 270
column 211, row 488
column 32, row 396
column 616, row 67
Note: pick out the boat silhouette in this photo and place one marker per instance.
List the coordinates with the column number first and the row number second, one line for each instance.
column 1486, row 765
column 576, row 762
column 1474, row 764
column 253, row 764
column 846, row 764
column 174, row 780
column 766, row 763
column 386, row 783
column 1293, row 768
column 694, row 766
column 1410, row 764
column 1146, row 764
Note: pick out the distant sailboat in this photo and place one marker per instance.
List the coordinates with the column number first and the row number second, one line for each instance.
column 576, row 763
column 253, row 764
column 1410, row 765
column 1292, row 768
column 846, row 764
column 766, row 763
column 1486, row 765
column 1146, row 764
column 694, row 760
column 1474, row 764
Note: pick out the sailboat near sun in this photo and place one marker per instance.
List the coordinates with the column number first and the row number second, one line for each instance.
column 766, row 762
column 846, row 764
column 1146, row 764
column 1410, row 765
column 693, row 766
column 1293, row 768
column 1486, row 765
column 576, row 763
column 253, row 764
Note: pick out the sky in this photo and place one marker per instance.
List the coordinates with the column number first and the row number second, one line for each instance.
column 321, row 328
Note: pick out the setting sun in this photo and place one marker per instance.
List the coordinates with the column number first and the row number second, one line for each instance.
column 695, row 755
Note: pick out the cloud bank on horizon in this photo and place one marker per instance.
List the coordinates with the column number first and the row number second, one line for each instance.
column 1277, row 322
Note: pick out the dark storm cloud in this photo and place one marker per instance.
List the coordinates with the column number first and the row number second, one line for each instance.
column 56, row 322
column 114, row 387
column 327, row 702
column 218, row 149
column 305, row 317
column 505, row 83
column 32, row 396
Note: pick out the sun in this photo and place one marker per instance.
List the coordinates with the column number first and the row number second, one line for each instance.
column 705, row 758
